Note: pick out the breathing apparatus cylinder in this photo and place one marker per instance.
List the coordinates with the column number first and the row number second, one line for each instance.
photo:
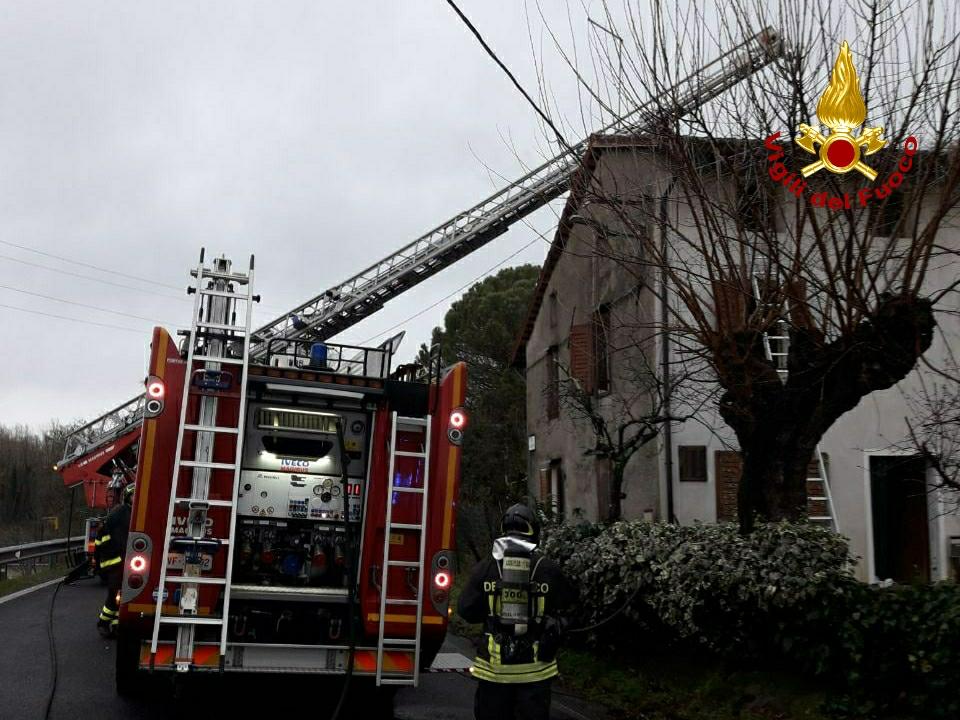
column 515, row 591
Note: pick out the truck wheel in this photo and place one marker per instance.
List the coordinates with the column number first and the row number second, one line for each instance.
column 130, row 681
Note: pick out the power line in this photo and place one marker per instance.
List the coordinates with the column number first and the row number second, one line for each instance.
column 89, row 307
column 94, row 279
column 75, row 320
column 89, row 265
column 260, row 306
column 516, row 83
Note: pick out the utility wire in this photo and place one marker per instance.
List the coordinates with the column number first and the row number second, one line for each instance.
column 75, row 320
column 89, row 307
column 260, row 307
column 89, row 265
column 516, row 83
column 94, row 279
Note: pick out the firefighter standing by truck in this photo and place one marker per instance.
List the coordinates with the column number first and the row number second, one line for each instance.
column 109, row 549
column 519, row 595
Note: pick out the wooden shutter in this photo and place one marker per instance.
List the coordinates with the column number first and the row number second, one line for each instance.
column 544, row 484
column 728, row 465
column 581, row 355
column 729, row 304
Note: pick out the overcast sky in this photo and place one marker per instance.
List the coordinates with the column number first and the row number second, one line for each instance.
column 319, row 136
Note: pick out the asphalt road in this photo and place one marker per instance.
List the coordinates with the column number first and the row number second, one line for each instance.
column 85, row 687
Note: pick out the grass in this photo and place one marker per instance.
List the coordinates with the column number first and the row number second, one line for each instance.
column 671, row 687
column 22, row 582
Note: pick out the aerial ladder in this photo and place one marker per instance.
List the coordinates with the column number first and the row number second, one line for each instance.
column 345, row 304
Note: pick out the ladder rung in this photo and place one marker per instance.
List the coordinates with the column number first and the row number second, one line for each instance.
column 241, row 279
column 212, row 428
column 189, row 620
column 208, row 465
column 224, row 293
column 198, row 580
column 403, row 563
column 396, row 681
column 220, row 326
column 404, row 453
column 406, row 526
column 406, row 642
column 816, row 497
column 224, row 360
column 401, row 601
column 412, row 421
column 821, row 518
column 401, row 488
column 211, row 503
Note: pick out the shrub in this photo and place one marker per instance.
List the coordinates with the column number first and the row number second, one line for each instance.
column 781, row 594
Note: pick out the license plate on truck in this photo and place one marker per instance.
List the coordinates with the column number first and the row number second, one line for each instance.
column 176, row 561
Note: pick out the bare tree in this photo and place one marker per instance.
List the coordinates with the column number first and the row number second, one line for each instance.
column 934, row 434
column 846, row 267
column 638, row 403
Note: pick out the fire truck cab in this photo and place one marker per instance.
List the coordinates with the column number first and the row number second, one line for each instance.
column 294, row 511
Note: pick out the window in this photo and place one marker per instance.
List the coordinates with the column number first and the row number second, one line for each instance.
column 552, row 309
column 553, row 384
column 601, row 348
column 551, row 487
column 581, row 356
column 693, row 463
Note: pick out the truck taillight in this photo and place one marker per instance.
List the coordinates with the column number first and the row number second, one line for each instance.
column 456, row 424
column 138, row 563
column 442, row 573
column 156, row 391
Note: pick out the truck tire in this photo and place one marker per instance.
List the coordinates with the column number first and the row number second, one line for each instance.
column 130, row 681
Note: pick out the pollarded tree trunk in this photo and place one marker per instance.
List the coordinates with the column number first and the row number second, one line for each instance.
column 778, row 425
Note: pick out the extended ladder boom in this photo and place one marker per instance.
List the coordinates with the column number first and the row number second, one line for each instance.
column 346, row 304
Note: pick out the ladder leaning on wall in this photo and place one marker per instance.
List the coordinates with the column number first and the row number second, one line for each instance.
column 776, row 346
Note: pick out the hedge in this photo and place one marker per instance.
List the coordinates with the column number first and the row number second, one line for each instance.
column 783, row 594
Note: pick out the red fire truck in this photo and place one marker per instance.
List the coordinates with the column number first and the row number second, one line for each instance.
column 294, row 514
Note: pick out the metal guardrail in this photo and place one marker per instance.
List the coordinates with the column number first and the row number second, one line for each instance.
column 28, row 554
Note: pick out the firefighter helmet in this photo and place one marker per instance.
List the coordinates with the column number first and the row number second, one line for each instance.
column 519, row 520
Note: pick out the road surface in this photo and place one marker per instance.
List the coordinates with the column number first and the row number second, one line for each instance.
column 85, row 689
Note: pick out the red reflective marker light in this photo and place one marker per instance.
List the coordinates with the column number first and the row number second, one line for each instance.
column 155, row 389
column 442, row 580
column 458, row 418
column 138, row 563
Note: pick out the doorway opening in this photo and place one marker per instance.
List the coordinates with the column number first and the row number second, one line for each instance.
column 901, row 523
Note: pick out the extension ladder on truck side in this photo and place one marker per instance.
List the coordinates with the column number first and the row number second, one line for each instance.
column 417, row 428
column 204, row 481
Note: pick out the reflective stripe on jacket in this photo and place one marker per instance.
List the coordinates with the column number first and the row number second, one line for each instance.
column 111, row 542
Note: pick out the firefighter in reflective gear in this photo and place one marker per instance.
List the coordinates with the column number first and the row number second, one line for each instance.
column 109, row 549
column 520, row 596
